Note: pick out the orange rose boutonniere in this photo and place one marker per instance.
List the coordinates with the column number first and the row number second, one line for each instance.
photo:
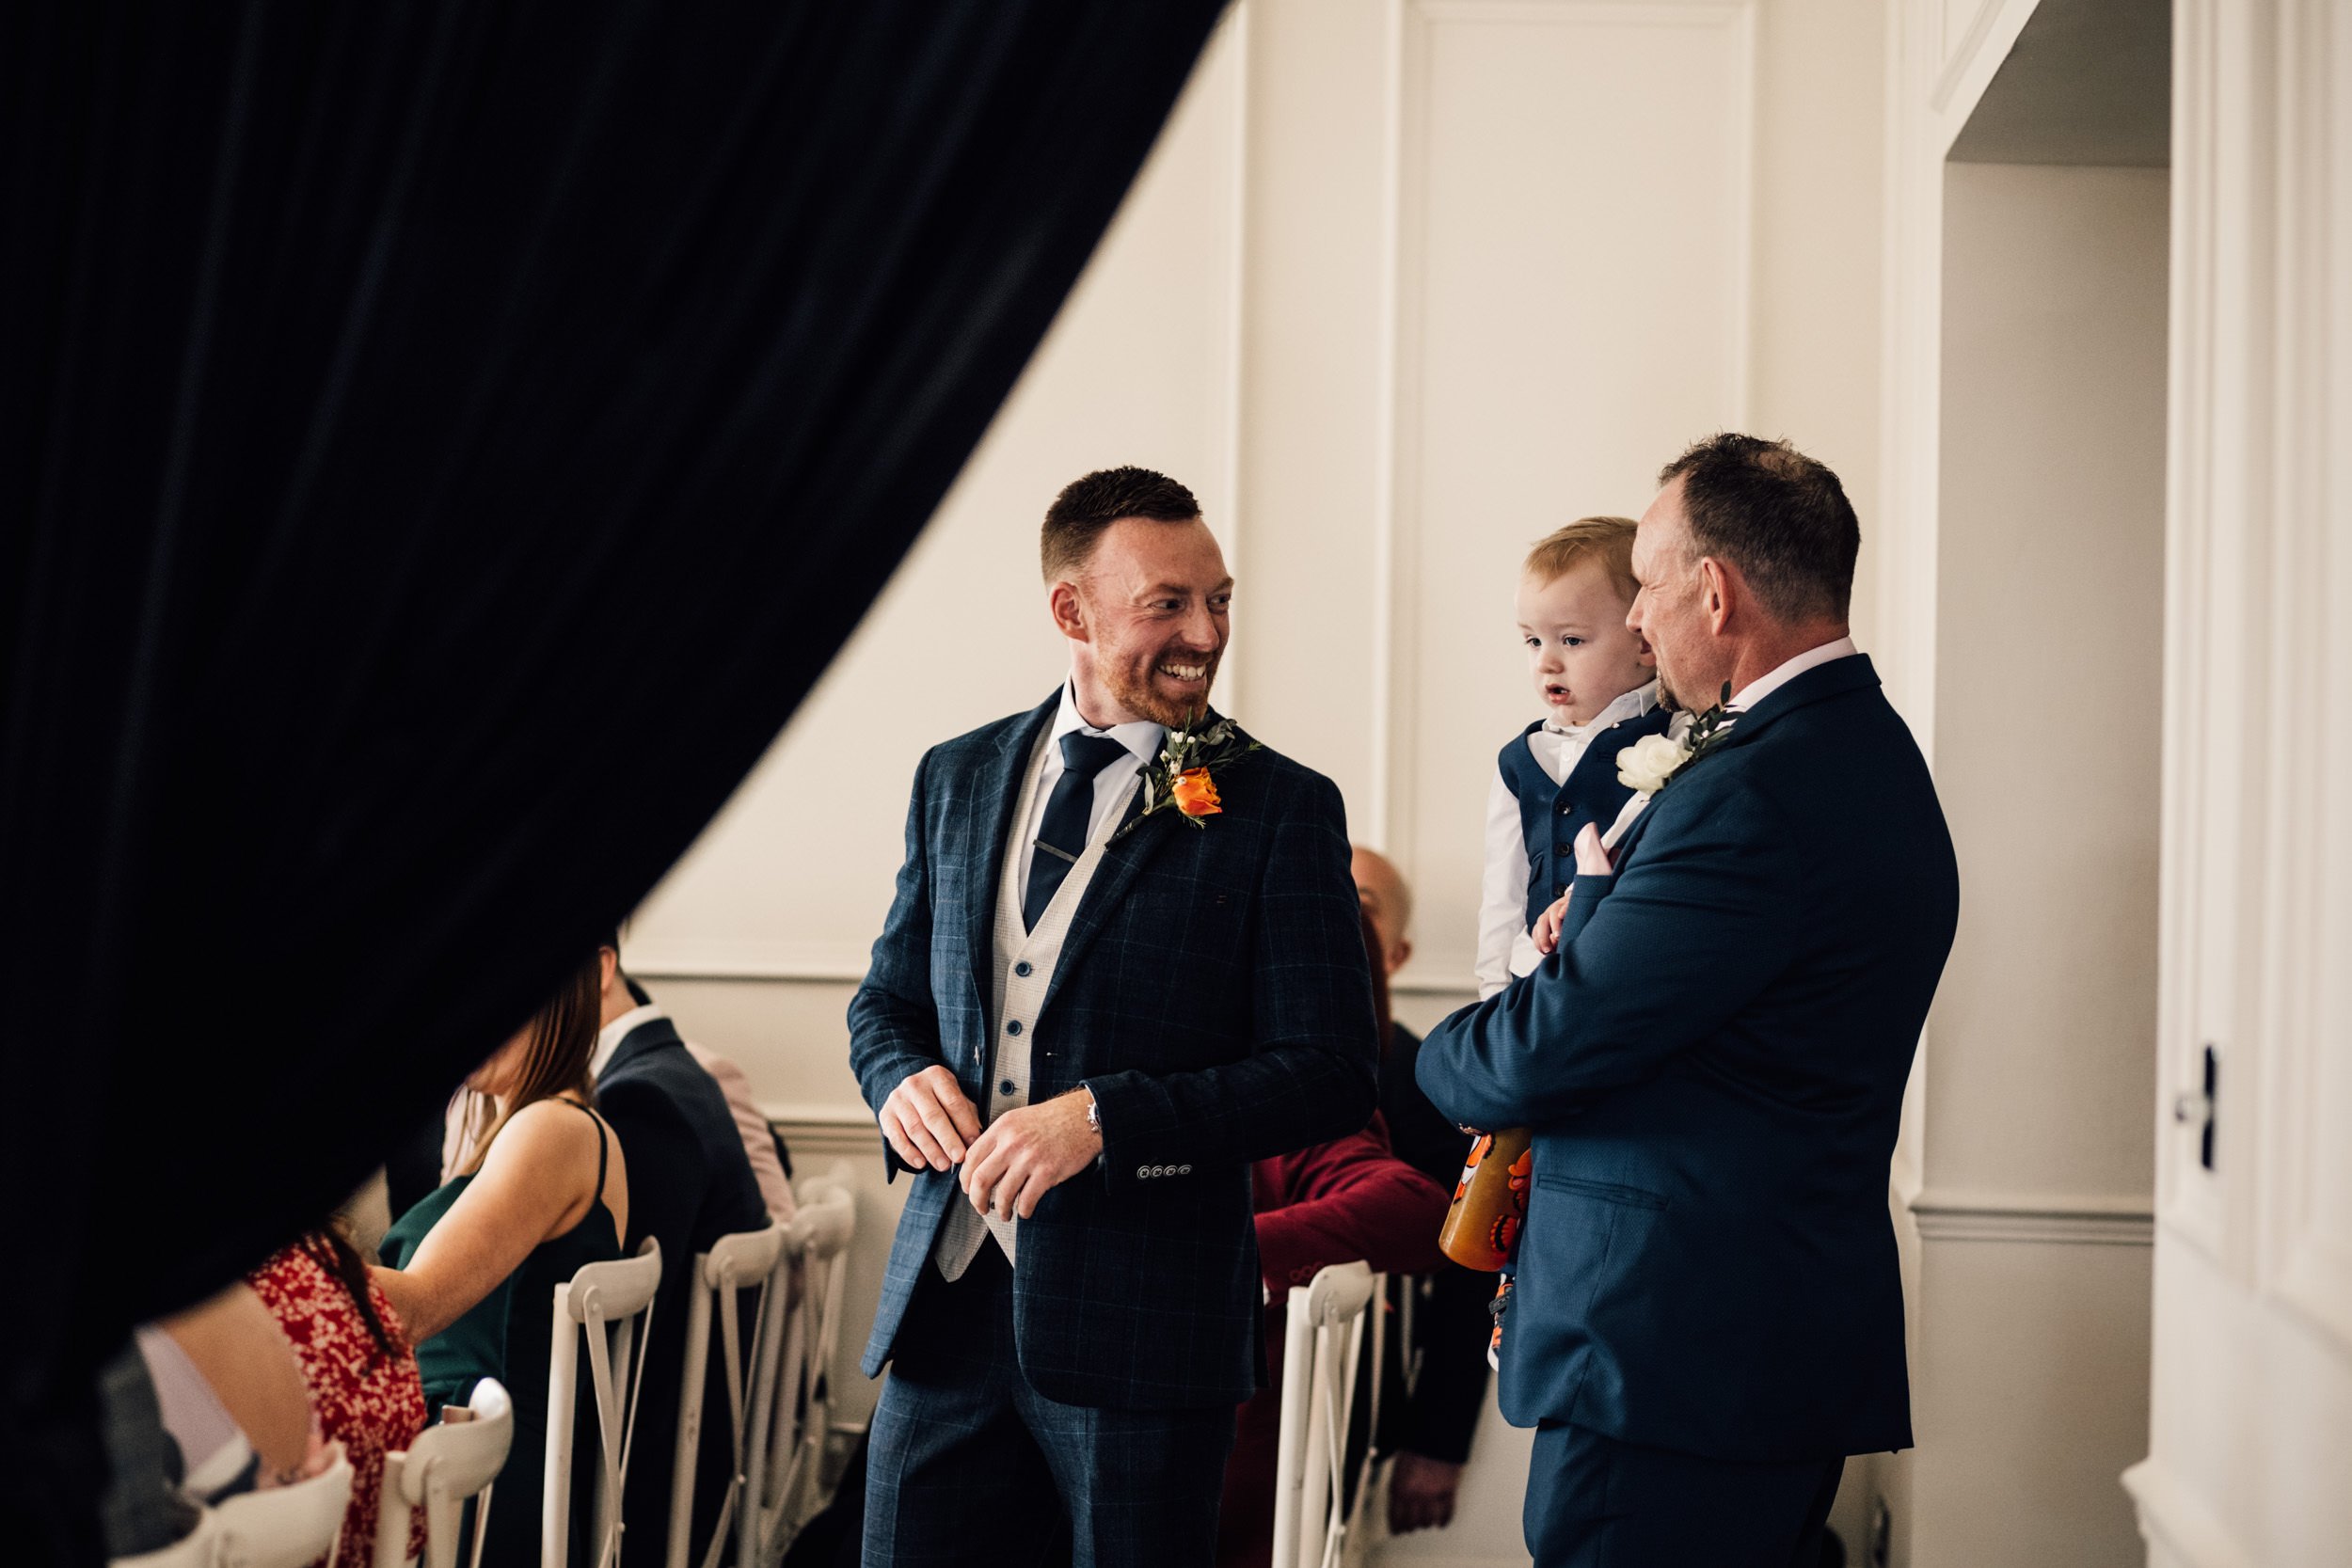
column 1183, row 778
column 1196, row 793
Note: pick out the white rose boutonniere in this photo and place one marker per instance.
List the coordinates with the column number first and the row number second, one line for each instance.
column 1646, row 765
column 1650, row 763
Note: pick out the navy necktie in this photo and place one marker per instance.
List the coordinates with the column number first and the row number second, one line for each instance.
column 1061, row 838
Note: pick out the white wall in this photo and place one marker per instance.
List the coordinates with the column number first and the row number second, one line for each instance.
column 2039, row 1064
column 1406, row 285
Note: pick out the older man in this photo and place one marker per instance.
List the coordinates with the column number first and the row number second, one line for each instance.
column 1124, row 961
column 1427, row 1421
column 1708, row 1315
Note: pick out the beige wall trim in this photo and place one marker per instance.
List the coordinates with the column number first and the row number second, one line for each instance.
column 1945, row 1215
column 752, row 961
column 829, row 1125
column 2176, row 1523
column 684, row 962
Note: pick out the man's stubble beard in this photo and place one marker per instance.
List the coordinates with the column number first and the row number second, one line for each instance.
column 1144, row 700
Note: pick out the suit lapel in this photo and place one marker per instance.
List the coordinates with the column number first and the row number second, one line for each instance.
column 1823, row 681
column 989, row 820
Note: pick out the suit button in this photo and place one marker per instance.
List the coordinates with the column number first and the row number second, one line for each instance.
column 1013, row 1028
column 1005, row 1087
column 1142, row 1171
column 1022, row 969
column 1184, row 1170
column 1559, row 890
column 1567, row 808
column 1564, row 848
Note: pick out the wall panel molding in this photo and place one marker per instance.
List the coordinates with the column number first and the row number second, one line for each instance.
column 1947, row 1215
column 658, row 960
column 1405, row 543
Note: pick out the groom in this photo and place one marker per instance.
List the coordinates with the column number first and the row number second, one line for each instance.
column 1102, row 992
column 1708, row 1316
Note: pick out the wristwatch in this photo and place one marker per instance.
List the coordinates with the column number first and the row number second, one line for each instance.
column 1094, row 1112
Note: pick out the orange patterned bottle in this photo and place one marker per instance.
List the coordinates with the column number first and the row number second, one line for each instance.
column 1490, row 1202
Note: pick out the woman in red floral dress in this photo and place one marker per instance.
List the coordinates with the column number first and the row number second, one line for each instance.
column 357, row 1362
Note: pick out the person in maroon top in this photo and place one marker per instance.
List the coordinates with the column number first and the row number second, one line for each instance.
column 1349, row 1201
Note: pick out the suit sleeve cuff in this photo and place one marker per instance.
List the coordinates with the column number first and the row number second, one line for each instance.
column 1138, row 1145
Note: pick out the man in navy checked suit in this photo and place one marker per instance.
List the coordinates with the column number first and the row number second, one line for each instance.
column 1083, row 1020
column 1709, row 1316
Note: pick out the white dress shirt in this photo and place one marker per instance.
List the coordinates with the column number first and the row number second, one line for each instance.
column 608, row 1038
column 1505, row 950
column 1142, row 738
column 1764, row 686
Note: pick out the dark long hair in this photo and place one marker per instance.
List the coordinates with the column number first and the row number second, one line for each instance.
column 562, row 1038
column 331, row 1250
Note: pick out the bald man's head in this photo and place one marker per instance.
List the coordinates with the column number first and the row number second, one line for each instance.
column 1381, row 888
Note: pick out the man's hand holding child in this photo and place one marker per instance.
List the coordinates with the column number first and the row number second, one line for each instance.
column 1591, row 860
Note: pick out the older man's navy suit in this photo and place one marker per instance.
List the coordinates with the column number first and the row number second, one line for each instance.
column 1213, row 993
column 1713, row 1060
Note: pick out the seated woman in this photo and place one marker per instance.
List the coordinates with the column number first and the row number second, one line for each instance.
column 471, row 1269
column 362, row 1377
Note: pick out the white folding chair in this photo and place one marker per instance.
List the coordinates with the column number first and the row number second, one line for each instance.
column 199, row 1548
column 609, row 1305
column 1322, row 1340
column 448, row 1463
column 747, row 1260
column 287, row 1527
column 791, row 1409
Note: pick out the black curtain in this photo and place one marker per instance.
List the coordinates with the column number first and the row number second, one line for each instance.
column 408, row 413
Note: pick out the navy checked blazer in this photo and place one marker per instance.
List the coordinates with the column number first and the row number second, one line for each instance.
column 1214, row 995
column 1713, row 1062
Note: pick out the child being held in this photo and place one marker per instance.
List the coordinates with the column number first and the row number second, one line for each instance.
column 1598, row 682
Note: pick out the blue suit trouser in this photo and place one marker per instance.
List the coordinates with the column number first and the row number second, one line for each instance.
column 970, row 1464
column 1594, row 1502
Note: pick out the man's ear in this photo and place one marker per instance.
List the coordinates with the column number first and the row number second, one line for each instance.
column 608, row 968
column 1068, row 611
column 1400, row 954
column 1719, row 589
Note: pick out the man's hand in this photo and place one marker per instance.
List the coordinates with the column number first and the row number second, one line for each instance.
column 928, row 1119
column 1591, row 860
column 1027, row 1154
column 1421, row 1492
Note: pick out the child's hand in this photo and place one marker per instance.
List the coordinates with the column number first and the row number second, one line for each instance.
column 1547, row 928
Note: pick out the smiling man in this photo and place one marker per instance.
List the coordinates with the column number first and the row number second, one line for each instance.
column 1123, row 963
